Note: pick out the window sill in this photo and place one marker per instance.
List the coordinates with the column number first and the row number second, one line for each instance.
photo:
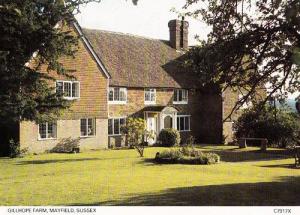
column 70, row 99
column 150, row 103
column 84, row 137
column 117, row 102
column 180, row 103
column 45, row 139
column 185, row 131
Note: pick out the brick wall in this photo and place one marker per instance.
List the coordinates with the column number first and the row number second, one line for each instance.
column 205, row 111
column 91, row 104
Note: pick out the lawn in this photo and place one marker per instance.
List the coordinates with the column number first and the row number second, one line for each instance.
column 120, row 177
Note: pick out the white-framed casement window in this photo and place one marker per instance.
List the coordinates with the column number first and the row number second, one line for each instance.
column 180, row 96
column 87, row 127
column 183, row 122
column 117, row 95
column 47, row 131
column 150, row 96
column 69, row 89
column 114, row 126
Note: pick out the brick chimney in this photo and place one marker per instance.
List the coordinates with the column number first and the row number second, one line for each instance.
column 179, row 34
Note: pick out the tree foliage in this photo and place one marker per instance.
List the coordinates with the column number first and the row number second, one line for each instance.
column 280, row 126
column 136, row 133
column 253, row 44
column 29, row 29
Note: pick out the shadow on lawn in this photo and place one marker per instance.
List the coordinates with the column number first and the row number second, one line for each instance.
column 286, row 191
column 55, row 161
column 255, row 155
column 237, row 155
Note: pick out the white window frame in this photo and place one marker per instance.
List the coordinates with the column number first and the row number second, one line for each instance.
column 113, row 126
column 47, row 138
column 87, row 127
column 151, row 91
column 71, row 82
column 117, row 101
column 183, row 116
column 177, row 92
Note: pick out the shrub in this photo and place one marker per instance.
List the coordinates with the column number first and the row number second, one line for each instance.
column 186, row 155
column 280, row 126
column 15, row 150
column 169, row 137
column 66, row 145
column 136, row 134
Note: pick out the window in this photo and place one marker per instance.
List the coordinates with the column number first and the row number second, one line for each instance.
column 183, row 123
column 47, row 130
column 69, row 89
column 117, row 95
column 150, row 96
column 114, row 126
column 180, row 96
column 87, row 127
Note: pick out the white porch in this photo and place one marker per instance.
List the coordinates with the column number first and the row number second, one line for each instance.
column 158, row 118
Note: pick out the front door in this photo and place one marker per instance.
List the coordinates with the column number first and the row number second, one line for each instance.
column 152, row 127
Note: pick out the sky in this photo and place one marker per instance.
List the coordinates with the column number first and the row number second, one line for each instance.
column 149, row 18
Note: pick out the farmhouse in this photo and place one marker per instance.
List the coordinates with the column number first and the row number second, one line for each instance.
column 120, row 76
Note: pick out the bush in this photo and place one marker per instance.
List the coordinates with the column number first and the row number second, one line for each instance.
column 169, row 137
column 186, row 156
column 66, row 145
column 136, row 134
column 15, row 150
column 280, row 126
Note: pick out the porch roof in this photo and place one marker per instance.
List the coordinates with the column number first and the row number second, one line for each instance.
column 158, row 108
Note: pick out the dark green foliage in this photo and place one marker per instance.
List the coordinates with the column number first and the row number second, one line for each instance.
column 280, row 126
column 29, row 30
column 247, row 49
column 169, row 137
column 67, row 145
column 15, row 150
column 186, row 155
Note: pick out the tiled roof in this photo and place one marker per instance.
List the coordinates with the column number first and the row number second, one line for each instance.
column 134, row 61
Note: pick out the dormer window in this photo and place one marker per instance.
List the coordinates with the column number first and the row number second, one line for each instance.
column 117, row 95
column 150, row 96
column 69, row 89
column 180, row 96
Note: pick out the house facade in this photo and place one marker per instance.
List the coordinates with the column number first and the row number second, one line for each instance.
column 120, row 76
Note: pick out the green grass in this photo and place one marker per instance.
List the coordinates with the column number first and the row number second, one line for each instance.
column 120, row 177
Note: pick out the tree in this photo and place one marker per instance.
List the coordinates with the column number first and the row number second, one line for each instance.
column 136, row 133
column 279, row 125
column 29, row 29
column 253, row 44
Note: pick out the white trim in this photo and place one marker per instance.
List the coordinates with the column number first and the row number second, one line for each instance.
column 89, row 46
column 180, row 102
column 183, row 116
column 113, row 126
column 71, row 82
column 87, row 126
column 150, row 102
column 117, row 102
column 44, row 139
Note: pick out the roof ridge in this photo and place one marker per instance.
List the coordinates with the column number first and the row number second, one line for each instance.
column 124, row 34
